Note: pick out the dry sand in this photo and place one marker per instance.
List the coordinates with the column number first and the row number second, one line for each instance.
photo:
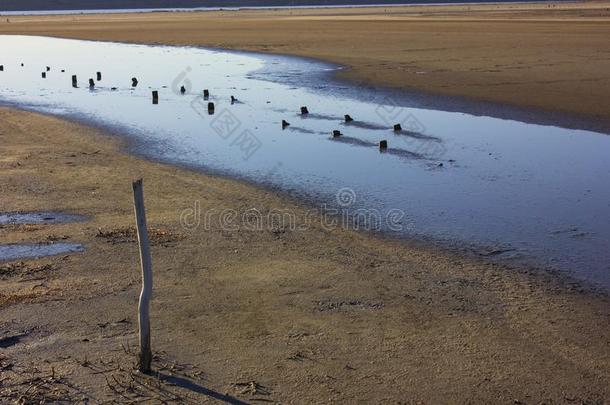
column 279, row 315
column 291, row 316
column 549, row 56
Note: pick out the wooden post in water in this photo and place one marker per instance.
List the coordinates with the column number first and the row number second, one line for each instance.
column 145, row 355
column 99, row 76
column 74, row 81
column 44, row 75
column 155, row 97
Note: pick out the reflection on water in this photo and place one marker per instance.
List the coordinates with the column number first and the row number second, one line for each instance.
column 520, row 189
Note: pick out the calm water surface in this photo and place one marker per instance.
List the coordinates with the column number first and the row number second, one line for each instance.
column 512, row 190
column 36, row 250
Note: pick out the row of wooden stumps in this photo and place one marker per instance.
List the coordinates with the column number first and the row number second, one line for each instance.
column 48, row 68
column 206, row 96
column 134, row 83
column 75, row 79
column 98, row 77
column 383, row 144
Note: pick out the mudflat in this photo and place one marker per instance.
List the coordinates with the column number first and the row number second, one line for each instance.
column 284, row 314
column 549, row 56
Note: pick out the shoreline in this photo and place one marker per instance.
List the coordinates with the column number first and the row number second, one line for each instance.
column 353, row 293
column 452, row 245
column 432, row 245
column 455, row 63
column 405, row 97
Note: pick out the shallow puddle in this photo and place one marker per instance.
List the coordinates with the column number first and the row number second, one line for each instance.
column 35, row 250
column 27, row 218
column 536, row 191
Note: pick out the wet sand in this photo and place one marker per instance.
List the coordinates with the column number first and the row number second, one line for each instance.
column 553, row 57
column 280, row 315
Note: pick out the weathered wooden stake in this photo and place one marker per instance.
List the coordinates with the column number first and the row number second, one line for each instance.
column 1, row 68
column 74, row 81
column 397, row 128
column 99, row 76
column 383, row 145
column 233, row 100
column 182, row 89
column 336, row 133
column 145, row 355
column 348, row 118
column 48, row 68
column 206, row 94
column 155, row 96
column 134, row 82
column 91, row 83
column 44, row 75
column 285, row 124
column 304, row 110
column 210, row 108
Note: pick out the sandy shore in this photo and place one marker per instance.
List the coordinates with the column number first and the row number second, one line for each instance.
column 296, row 316
column 291, row 316
column 549, row 56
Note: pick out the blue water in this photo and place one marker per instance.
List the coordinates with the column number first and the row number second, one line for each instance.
column 511, row 190
column 12, row 218
column 35, row 250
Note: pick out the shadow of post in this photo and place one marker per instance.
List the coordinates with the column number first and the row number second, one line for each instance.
column 194, row 387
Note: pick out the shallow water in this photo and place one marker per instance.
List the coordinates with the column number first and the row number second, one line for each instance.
column 512, row 190
column 33, row 250
column 25, row 218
